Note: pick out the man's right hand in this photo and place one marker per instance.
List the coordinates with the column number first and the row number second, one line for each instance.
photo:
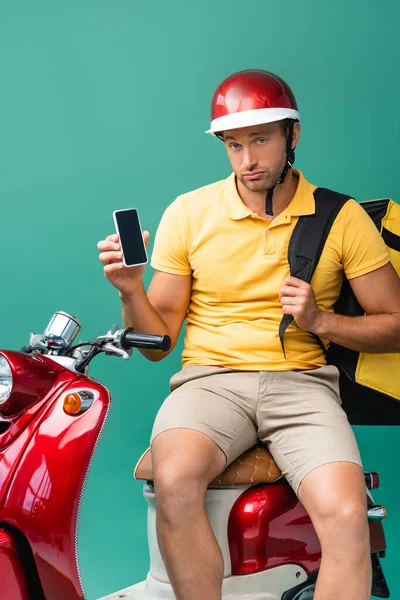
column 125, row 279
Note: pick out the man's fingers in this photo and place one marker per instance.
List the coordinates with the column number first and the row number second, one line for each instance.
column 113, row 267
column 287, row 309
column 293, row 292
column 112, row 242
column 292, row 309
column 295, row 282
column 287, row 290
column 105, row 246
column 110, row 257
column 146, row 235
column 113, row 237
column 289, row 300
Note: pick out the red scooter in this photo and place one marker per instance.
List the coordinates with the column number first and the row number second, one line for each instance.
column 51, row 418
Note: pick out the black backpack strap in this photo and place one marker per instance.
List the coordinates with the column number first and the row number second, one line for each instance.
column 307, row 242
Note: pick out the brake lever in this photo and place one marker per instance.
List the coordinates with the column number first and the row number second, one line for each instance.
column 111, row 349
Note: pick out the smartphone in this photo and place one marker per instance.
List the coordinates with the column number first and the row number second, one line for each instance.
column 130, row 234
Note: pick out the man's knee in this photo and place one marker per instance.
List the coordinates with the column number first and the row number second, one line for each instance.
column 180, row 489
column 343, row 525
column 345, row 513
column 184, row 463
column 175, row 472
column 334, row 495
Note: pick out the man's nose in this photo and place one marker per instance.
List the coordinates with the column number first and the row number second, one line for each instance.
column 249, row 161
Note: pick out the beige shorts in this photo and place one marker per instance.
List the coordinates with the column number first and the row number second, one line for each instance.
column 297, row 414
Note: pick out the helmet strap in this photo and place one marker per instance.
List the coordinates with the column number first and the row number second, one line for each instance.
column 290, row 157
column 268, row 202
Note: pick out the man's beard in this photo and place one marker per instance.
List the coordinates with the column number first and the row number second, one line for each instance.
column 269, row 179
column 260, row 185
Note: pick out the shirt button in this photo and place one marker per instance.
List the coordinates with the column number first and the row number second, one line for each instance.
column 267, row 232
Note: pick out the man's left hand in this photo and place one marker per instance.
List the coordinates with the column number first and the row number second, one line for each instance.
column 298, row 299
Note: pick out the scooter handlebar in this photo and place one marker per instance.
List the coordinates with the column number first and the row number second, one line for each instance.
column 145, row 340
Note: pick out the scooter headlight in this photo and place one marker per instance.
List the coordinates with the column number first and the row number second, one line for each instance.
column 6, row 380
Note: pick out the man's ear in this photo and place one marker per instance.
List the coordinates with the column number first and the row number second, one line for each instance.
column 296, row 134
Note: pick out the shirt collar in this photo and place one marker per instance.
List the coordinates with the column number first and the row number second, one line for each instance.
column 302, row 203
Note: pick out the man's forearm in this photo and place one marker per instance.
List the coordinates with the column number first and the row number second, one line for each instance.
column 137, row 312
column 369, row 333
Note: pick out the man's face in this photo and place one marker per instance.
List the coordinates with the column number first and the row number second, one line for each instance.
column 257, row 154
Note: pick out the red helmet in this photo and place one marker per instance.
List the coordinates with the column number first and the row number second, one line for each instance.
column 249, row 98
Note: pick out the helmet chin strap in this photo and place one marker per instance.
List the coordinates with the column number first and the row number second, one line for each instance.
column 290, row 156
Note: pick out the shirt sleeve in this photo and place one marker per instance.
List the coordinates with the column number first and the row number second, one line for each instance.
column 171, row 243
column 363, row 248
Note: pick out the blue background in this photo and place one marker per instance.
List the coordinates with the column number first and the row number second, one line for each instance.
column 103, row 106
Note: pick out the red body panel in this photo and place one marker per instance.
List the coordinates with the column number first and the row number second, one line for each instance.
column 268, row 526
column 22, row 426
column 377, row 536
column 13, row 583
column 45, row 468
column 33, row 377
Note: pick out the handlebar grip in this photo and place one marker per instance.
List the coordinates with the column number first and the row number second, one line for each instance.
column 145, row 340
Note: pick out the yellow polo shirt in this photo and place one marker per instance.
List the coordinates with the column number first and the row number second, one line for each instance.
column 238, row 262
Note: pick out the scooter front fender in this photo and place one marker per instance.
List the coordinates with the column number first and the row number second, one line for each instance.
column 45, row 494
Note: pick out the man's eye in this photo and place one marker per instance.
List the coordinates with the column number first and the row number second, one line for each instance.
column 234, row 146
column 261, row 140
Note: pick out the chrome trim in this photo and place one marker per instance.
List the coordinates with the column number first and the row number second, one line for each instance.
column 87, row 398
column 67, row 362
column 78, row 512
column 5, row 366
column 61, row 330
column 376, row 512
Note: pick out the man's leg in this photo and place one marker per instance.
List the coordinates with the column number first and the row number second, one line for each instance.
column 335, row 498
column 184, row 463
column 310, row 437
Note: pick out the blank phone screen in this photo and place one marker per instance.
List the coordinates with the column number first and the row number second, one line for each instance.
column 130, row 236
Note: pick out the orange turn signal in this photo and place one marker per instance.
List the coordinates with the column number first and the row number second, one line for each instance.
column 72, row 404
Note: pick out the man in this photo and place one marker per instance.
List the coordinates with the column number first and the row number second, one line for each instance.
column 220, row 259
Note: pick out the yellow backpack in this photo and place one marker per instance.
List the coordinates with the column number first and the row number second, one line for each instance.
column 369, row 383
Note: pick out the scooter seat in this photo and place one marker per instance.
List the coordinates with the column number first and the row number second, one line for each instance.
column 256, row 465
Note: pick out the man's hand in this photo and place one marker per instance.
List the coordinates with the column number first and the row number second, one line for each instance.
column 298, row 299
column 125, row 279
